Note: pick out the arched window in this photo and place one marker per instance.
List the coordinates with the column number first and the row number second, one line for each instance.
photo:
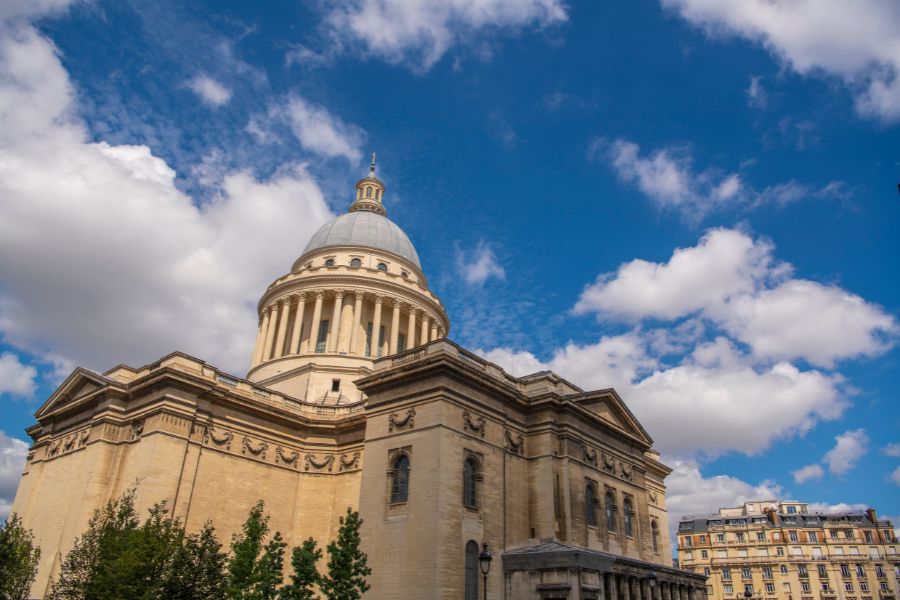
column 590, row 504
column 369, row 192
column 628, row 515
column 654, row 530
column 329, row 262
column 610, row 512
column 378, row 194
column 470, row 482
column 471, row 586
column 382, row 267
column 400, row 479
column 356, row 263
column 404, row 274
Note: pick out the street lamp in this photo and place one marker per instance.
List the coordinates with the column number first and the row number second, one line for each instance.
column 748, row 593
column 651, row 582
column 484, row 561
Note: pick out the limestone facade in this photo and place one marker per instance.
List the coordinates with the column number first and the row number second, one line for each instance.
column 355, row 398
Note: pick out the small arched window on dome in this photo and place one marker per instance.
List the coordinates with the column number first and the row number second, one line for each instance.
column 628, row 516
column 368, row 191
column 654, row 531
column 382, row 267
column 329, row 262
column 590, row 504
column 404, row 274
column 378, row 194
column 400, row 479
column 355, row 263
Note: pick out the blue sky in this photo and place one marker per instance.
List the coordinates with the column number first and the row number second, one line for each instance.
column 695, row 202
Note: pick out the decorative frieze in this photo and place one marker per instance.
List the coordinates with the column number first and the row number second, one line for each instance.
column 396, row 422
column 311, row 462
column 474, row 425
column 588, row 454
column 258, row 450
column 219, row 439
column 288, row 459
column 350, row 461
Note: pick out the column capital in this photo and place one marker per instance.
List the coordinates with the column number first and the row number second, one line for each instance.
column 300, row 296
column 412, row 309
column 320, row 295
column 396, row 303
column 283, row 300
column 339, row 294
column 379, row 299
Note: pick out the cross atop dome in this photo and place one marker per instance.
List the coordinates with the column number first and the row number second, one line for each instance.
column 369, row 192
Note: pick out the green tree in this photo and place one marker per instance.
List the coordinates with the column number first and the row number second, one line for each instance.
column 255, row 571
column 347, row 568
column 197, row 568
column 306, row 576
column 18, row 559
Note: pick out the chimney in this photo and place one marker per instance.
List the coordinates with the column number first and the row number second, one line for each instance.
column 770, row 515
column 870, row 514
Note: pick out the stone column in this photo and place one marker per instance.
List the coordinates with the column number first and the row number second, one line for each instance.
column 357, row 316
column 395, row 327
column 425, row 328
column 298, row 324
column 261, row 338
column 316, row 319
column 375, row 343
column 284, row 309
column 411, row 328
column 270, row 333
column 331, row 342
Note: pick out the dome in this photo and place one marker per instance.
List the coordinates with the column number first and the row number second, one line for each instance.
column 364, row 228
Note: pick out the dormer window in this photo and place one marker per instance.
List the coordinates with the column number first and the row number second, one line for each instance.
column 382, row 267
column 329, row 262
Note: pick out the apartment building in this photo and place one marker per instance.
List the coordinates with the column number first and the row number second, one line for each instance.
column 779, row 550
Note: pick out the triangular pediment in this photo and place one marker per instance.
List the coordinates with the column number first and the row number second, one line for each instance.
column 609, row 406
column 79, row 384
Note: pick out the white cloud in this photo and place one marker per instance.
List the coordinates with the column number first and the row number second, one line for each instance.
column 11, row 10
column 210, row 91
column 323, row 133
column 892, row 450
column 858, row 42
column 895, row 476
column 16, row 378
column 480, row 265
column 808, row 473
column 668, row 177
column 103, row 259
column 756, row 93
column 850, row 446
column 420, row 32
column 12, row 461
column 734, row 281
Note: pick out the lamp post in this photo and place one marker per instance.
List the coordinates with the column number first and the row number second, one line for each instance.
column 651, row 583
column 748, row 593
column 484, row 561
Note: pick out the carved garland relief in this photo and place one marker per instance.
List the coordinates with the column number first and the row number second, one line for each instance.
column 513, row 444
column 349, row 461
column 395, row 422
column 470, row 424
column 319, row 465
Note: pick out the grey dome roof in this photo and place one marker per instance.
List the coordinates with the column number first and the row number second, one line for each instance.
column 364, row 228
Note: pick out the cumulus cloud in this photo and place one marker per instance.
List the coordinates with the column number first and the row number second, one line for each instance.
column 103, row 259
column 892, row 450
column 15, row 378
column 895, row 476
column 210, row 91
column 420, row 32
column 322, row 132
column 669, row 179
column 479, row 265
column 849, row 447
column 12, row 461
column 735, row 282
column 858, row 42
column 808, row 473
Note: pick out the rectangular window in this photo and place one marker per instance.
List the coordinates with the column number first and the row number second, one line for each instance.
column 868, row 536
column 813, row 536
column 839, row 551
column 706, row 571
column 793, row 536
column 834, row 534
column 804, row 585
column 796, row 551
column 704, row 554
column 791, row 509
column 845, row 571
column 401, row 342
column 822, row 571
column 826, row 587
column 748, row 589
column 686, row 542
column 760, row 536
column 688, row 555
column 726, row 573
column 848, row 586
column 742, row 553
column 322, row 336
column 702, row 539
column 729, row 589
column 801, row 571
column 779, row 551
column 817, row 553
column 879, row 571
column 860, row 571
column 884, row 586
column 739, row 537
column 776, row 535
column 770, row 588
column 335, row 385
column 767, row 572
column 854, row 550
column 745, row 573
column 784, row 569
column 763, row 551
column 873, row 552
column 863, row 586
column 720, row 537
column 721, row 554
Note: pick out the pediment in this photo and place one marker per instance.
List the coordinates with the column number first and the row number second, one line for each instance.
column 79, row 384
column 609, row 406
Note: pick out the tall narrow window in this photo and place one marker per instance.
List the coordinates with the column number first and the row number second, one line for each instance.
column 471, row 586
column 380, row 348
column 590, row 504
column 654, row 531
column 323, row 335
column 400, row 479
column 369, row 339
column 401, row 342
column 610, row 512
column 369, row 192
column 628, row 515
column 470, row 482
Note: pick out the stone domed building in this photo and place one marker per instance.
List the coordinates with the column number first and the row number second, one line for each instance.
column 355, row 398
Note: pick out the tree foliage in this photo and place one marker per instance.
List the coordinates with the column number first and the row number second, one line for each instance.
column 18, row 559
column 347, row 569
column 305, row 577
